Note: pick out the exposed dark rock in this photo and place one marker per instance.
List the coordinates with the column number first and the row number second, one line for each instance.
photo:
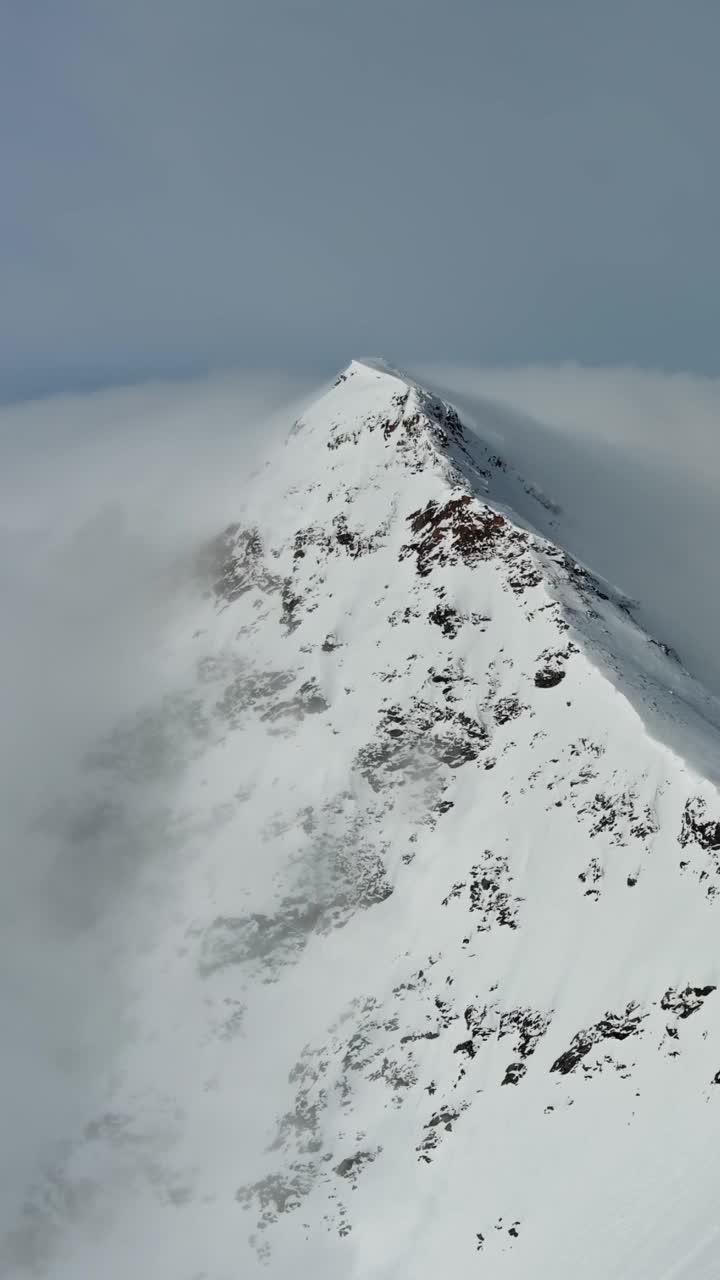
column 345, row 874
column 443, row 806
column 667, row 649
column 460, row 529
column 467, row 1047
column 252, row 690
column 523, row 575
column 490, row 895
column 548, row 677
column 698, row 828
column 291, row 601
column 552, row 670
column 528, row 1025
column 446, row 1012
column 700, row 835
column 454, row 892
column 507, row 709
column 447, row 619
column 481, row 1022
column 236, row 561
column 403, row 615
column 441, row 1122
column 271, row 940
column 514, row 1073
column 419, row 1035
column 684, row 1003
column 411, row 742
column 613, row 1026
column 591, row 877
column 351, row 1165
column 353, row 542
column 445, row 1117
column 336, row 538
column 308, row 701
column 278, row 1193
column 621, row 815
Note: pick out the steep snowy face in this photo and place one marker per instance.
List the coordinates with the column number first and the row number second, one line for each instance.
column 437, row 983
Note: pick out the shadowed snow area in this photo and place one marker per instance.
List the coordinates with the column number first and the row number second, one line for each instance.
column 632, row 459
column 362, row 846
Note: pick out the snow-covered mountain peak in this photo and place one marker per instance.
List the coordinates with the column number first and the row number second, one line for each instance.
column 440, row 974
column 369, row 397
column 522, row 869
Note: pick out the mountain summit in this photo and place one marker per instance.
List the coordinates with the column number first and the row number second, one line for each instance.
column 444, row 958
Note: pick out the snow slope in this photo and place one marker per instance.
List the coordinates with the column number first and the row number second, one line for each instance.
column 631, row 456
column 436, row 983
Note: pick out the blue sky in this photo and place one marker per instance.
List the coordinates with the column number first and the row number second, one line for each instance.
column 269, row 183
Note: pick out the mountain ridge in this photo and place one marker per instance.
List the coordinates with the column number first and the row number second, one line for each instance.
column 521, row 501
column 450, row 532
column 439, row 969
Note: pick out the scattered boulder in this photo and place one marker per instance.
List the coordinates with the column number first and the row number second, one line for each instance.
column 514, row 1072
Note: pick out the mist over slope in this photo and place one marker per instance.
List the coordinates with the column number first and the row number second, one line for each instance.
column 210, row 861
column 104, row 501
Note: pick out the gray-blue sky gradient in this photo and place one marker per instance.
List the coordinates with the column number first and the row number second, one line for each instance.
column 279, row 183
